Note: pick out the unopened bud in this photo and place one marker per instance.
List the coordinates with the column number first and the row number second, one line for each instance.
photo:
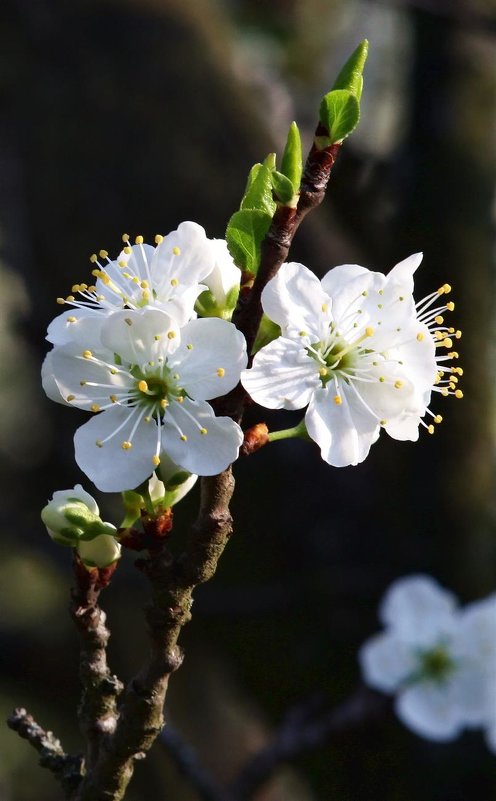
column 73, row 515
column 100, row 552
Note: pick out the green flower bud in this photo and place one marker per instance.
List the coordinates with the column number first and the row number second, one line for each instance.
column 73, row 515
column 175, row 481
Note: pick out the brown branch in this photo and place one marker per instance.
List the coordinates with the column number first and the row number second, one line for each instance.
column 66, row 769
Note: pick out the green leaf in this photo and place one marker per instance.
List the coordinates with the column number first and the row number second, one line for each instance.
column 258, row 193
column 350, row 77
column 339, row 114
column 292, row 158
column 245, row 232
column 283, row 187
column 267, row 332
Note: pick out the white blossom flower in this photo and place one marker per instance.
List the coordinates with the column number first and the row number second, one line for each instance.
column 357, row 350
column 223, row 284
column 167, row 276
column 99, row 552
column 432, row 656
column 150, row 379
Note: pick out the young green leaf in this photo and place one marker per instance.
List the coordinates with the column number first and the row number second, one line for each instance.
column 350, row 77
column 283, row 187
column 245, row 232
column 339, row 114
column 258, row 194
column 292, row 159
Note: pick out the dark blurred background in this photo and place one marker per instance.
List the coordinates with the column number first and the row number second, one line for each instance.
column 133, row 116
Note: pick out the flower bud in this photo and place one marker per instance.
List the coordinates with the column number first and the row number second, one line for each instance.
column 175, row 481
column 100, row 551
column 73, row 515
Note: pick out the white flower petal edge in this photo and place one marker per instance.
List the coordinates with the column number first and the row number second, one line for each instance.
column 430, row 710
column 418, row 610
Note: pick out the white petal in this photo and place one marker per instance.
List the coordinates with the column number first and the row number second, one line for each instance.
column 62, row 496
column 75, row 376
column 404, row 427
column 388, row 391
column 343, row 431
column 430, row 710
column 204, row 454
column 184, row 256
column 110, row 467
column 77, row 325
column 475, row 693
column 295, row 299
column 418, row 610
column 477, row 631
column 210, row 358
column 48, row 381
column 283, row 376
column 140, row 336
column 225, row 275
column 402, row 273
column 386, row 662
column 335, row 279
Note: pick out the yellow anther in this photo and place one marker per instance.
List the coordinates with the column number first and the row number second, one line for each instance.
column 453, row 355
column 93, row 258
column 92, row 288
column 369, row 331
column 324, row 307
column 158, row 239
column 70, row 398
column 60, row 301
column 147, row 419
column 439, row 320
column 75, row 288
column 450, row 306
column 156, row 460
column 127, row 250
column 174, row 282
column 447, row 343
column 72, row 319
column 126, row 446
column 99, row 443
column 365, row 293
column 323, row 371
column 437, row 379
column 444, row 392
column 135, row 279
column 96, row 272
column 458, row 393
column 458, row 334
column 113, row 398
column 303, row 334
column 420, row 336
column 220, row 372
column 82, row 383
column 398, row 384
column 458, row 370
column 171, row 335
column 113, row 371
column 145, row 294
column 87, row 354
column 454, row 379
column 447, row 288
column 180, row 399
column 451, row 385
column 401, row 297
column 176, row 251
column 128, row 321
column 103, row 254
column 125, row 237
column 431, row 429
column 164, row 403
column 338, row 400
column 382, row 422
column 142, row 386
column 189, row 346
column 122, row 263
column 94, row 407
column 381, row 379
column 439, row 335
column 70, row 298
column 203, row 431
column 184, row 438
column 381, row 292
column 438, row 418
column 139, row 240
column 144, row 285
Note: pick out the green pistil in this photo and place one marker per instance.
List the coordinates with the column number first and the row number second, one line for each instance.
column 436, row 664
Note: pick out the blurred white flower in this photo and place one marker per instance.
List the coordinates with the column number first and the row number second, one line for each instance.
column 357, row 350
column 437, row 659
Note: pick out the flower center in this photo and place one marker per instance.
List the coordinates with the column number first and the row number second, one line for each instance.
column 157, row 389
column 435, row 664
column 337, row 355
